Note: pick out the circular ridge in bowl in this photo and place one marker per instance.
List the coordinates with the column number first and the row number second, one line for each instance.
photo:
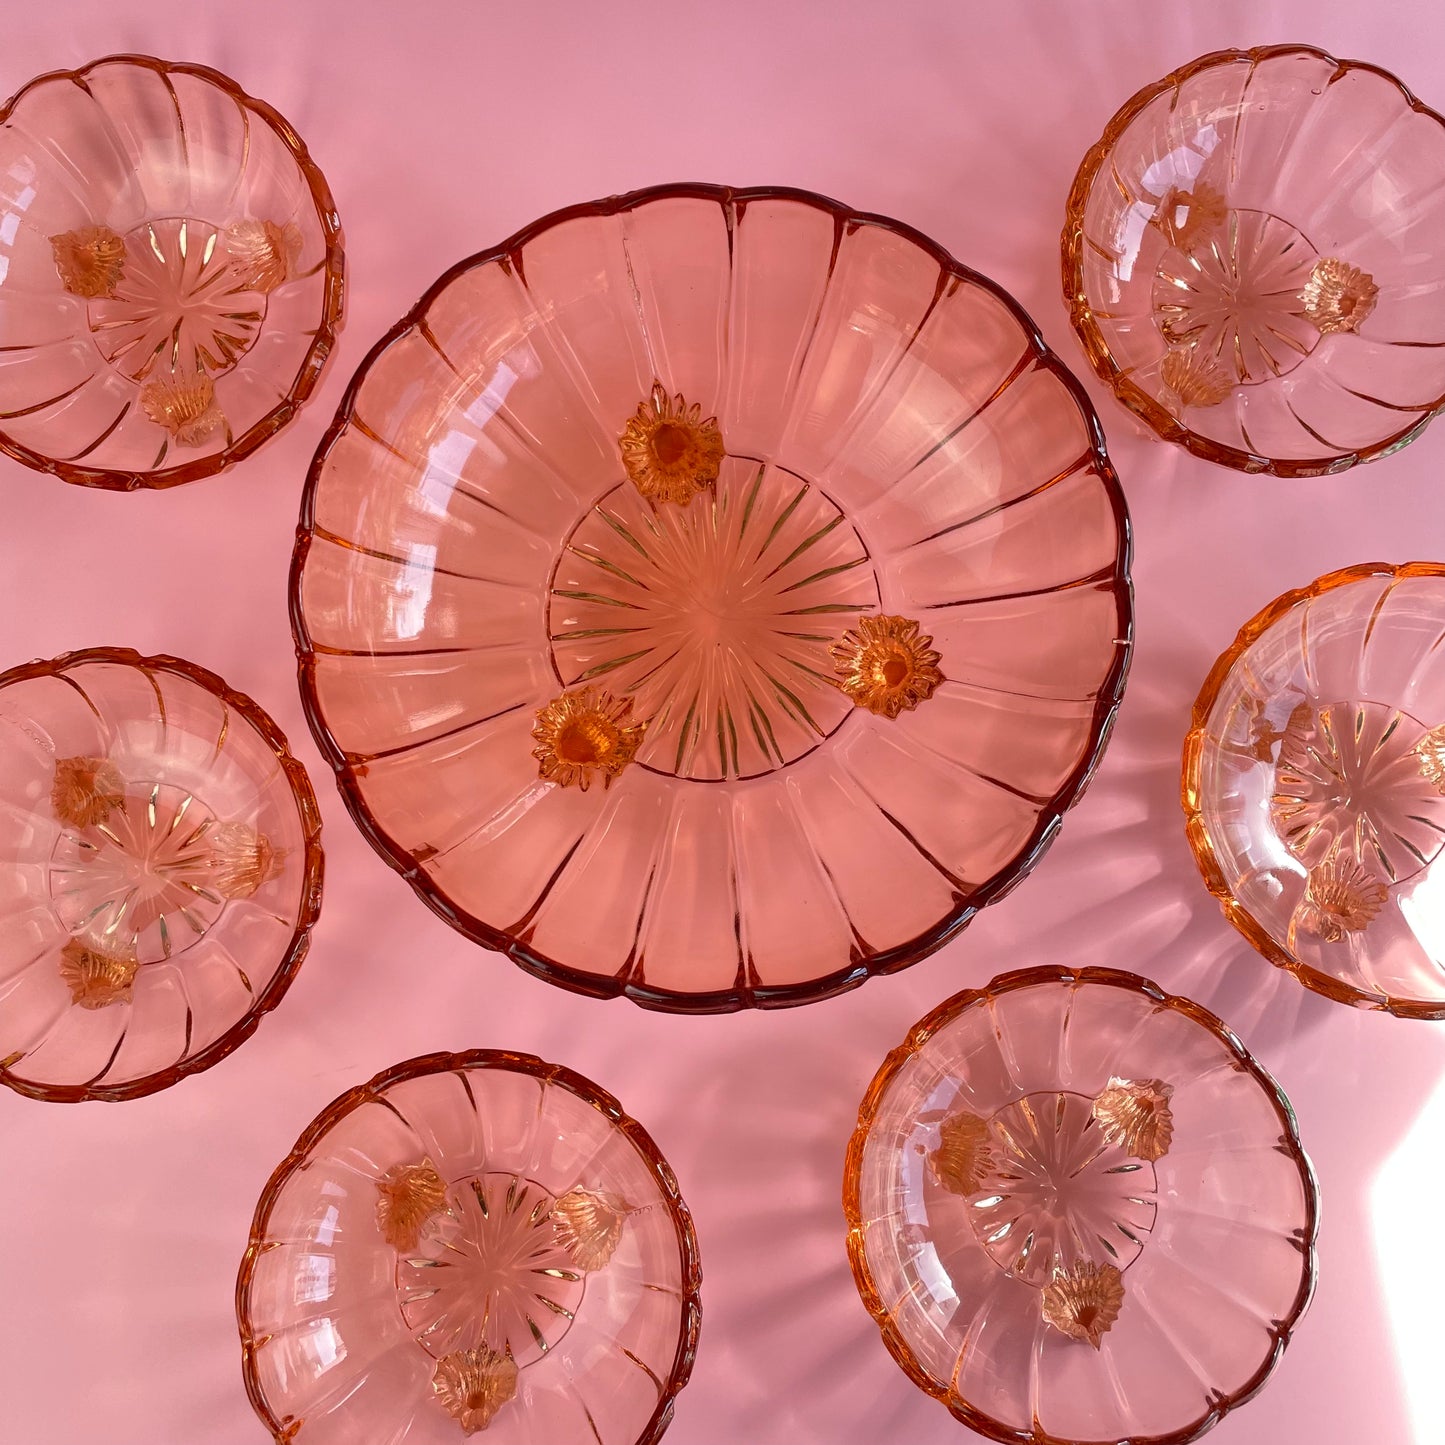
column 469, row 539
column 1033, row 1173
column 176, row 283
column 1314, row 784
column 1233, row 276
column 161, row 873
column 454, row 1165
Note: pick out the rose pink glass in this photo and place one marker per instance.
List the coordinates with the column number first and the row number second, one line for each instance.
column 1314, row 785
column 1254, row 259
column 712, row 596
column 470, row 1242
column 160, row 872
column 170, row 273
column 1079, row 1211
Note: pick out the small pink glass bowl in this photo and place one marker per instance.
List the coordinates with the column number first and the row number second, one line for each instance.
column 1314, row 785
column 712, row 596
column 1079, row 1211
column 1254, row 260
column 160, row 872
column 470, row 1242
column 170, row 276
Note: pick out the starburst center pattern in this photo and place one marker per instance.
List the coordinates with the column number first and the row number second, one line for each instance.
column 715, row 618
column 490, row 1273
column 1233, row 293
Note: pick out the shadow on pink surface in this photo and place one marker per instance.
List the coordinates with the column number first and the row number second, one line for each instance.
column 769, row 1167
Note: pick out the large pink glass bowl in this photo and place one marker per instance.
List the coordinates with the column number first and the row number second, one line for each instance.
column 170, row 273
column 712, row 596
column 160, row 873
column 1314, row 785
column 1254, row 259
column 470, row 1243
column 1079, row 1211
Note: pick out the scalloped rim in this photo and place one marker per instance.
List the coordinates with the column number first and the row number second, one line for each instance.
column 942, row 1016
column 1081, row 314
column 1191, row 792
column 308, row 909
column 741, row 995
column 544, row 1073
column 332, row 309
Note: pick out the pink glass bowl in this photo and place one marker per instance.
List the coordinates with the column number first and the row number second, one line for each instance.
column 470, row 1242
column 1314, row 785
column 1254, row 260
column 160, row 872
column 712, row 596
column 1079, row 1211
column 170, row 273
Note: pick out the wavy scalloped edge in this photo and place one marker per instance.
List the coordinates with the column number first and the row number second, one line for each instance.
column 309, row 908
column 742, row 995
column 332, row 310
column 1081, row 313
column 284, row 1430
column 941, row 1017
column 1191, row 791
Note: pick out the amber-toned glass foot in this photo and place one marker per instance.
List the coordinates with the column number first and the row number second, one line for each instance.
column 500, row 1248
column 1048, row 1180
column 1193, row 377
column 264, row 255
column 98, row 976
column 1083, row 1302
column 671, row 451
column 887, row 664
column 1338, row 296
column 1310, row 785
column 1135, row 1115
column 90, row 261
column 408, row 1198
column 472, row 1385
column 585, row 734
column 588, row 1225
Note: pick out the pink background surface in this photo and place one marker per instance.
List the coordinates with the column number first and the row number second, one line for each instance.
column 443, row 128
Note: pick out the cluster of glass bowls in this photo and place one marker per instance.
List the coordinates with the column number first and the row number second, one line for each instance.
column 715, row 597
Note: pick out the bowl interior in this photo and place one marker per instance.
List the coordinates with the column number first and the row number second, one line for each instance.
column 170, row 282
column 1255, row 255
column 477, row 1242
column 712, row 596
column 159, row 869
column 1079, row 1212
column 1316, row 785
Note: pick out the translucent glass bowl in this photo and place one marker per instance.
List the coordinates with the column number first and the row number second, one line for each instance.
column 1314, row 785
column 712, row 596
column 1254, row 260
column 170, row 275
column 160, row 871
column 470, row 1242
column 1079, row 1211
